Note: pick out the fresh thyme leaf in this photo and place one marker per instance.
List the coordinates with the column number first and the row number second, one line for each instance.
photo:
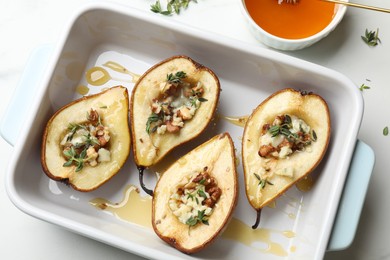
column 283, row 129
column 173, row 6
column 274, row 130
column 68, row 163
column 156, row 8
column 192, row 221
column 202, row 193
column 83, row 153
column 73, row 157
column 202, row 99
column 201, row 217
column 152, row 119
column 371, row 38
column 363, row 87
column 68, row 153
column 386, row 131
column 80, row 166
column 287, row 119
column 72, row 151
column 190, row 196
column 262, row 182
column 177, row 77
column 72, row 130
column 313, row 135
column 92, row 141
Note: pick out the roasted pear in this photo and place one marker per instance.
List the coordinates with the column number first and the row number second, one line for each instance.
column 172, row 103
column 87, row 142
column 195, row 197
column 284, row 139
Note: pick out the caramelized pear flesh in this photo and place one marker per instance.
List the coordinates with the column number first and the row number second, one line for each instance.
column 82, row 124
column 195, row 197
column 284, row 139
column 172, row 103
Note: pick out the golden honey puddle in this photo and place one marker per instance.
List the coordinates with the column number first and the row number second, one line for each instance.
column 133, row 207
column 98, row 76
column 305, row 184
column 239, row 231
column 82, row 90
column 119, row 68
column 137, row 209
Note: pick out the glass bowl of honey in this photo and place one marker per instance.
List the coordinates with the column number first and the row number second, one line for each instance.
column 291, row 24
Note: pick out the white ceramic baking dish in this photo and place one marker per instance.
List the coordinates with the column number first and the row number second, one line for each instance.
column 300, row 225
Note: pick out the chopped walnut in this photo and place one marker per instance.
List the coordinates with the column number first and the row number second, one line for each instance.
column 199, row 194
column 177, row 103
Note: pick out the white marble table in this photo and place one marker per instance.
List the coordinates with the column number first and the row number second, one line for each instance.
column 25, row 25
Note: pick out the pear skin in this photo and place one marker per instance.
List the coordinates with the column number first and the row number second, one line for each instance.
column 267, row 176
column 218, row 158
column 112, row 105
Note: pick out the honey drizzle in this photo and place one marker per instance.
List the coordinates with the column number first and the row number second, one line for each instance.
column 305, row 184
column 239, row 121
column 133, row 207
column 98, row 76
column 137, row 209
column 119, row 68
column 82, row 90
column 239, row 231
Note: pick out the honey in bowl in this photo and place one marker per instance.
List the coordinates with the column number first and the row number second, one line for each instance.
column 291, row 21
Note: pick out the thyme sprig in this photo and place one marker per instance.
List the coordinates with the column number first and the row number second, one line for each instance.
column 202, row 193
column 193, row 99
column 177, row 77
column 262, row 182
column 200, row 218
column 73, row 157
column 73, row 129
column 363, row 87
column 173, row 6
column 283, row 129
column 153, row 118
column 371, row 38
column 156, row 8
column 91, row 140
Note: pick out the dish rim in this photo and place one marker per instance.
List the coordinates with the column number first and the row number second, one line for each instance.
column 20, row 203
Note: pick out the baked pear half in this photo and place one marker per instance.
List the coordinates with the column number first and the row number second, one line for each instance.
column 86, row 142
column 172, row 103
column 284, row 139
column 195, row 197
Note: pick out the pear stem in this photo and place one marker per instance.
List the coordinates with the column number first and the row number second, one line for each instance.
column 141, row 180
column 258, row 211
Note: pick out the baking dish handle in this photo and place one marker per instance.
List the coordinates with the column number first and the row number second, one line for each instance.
column 13, row 117
column 352, row 199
